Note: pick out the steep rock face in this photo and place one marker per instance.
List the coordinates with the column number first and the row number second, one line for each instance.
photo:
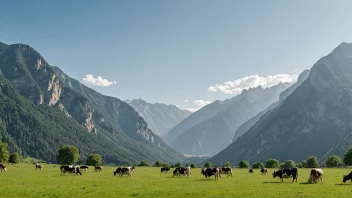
column 315, row 119
column 117, row 123
column 214, row 134
column 161, row 118
column 249, row 123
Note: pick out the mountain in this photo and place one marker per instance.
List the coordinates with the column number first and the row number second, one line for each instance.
column 109, row 126
column 195, row 118
column 161, row 118
column 249, row 123
column 315, row 119
column 215, row 133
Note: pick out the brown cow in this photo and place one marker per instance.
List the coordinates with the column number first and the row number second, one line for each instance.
column 2, row 168
column 98, row 169
column 38, row 166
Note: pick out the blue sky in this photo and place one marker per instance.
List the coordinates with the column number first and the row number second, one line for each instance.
column 172, row 51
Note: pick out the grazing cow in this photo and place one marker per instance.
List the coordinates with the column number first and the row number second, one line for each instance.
column 2, row 168
column 84, row 167
column 250, row 170
column 180, row 171
column 347, row 177
column 70, row 169
column 264, row 171
column 98, row 168
column 316, row 175
column 38, row 166
column 208, row 172
column 165, row 170
column 124, row 171
column 286, row 173
column 226, row 170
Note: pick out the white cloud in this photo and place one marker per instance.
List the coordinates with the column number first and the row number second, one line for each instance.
column 186, row 100
column 236, row 86
column 201, row 103
column 99, row 81
column 192, row 109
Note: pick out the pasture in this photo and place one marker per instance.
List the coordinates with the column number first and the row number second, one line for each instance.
column 25, row 181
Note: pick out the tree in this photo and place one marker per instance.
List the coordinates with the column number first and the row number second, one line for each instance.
column 14, row 158
column 304, row 164
column 289, row 164
column 208, row 165
column 157, row 164
column 272, row 163
column 178, row 164
column 312, row 162
column 193, row 166
column 166, row 165
column 4, row 153
column 243, row 164
column 228, row 164
column 94, row 160
column 68, row 155
column 257, row 165
column 347, row 159
column 299, row 165
column 144, row 163
column 332, row 161
column 282, row 165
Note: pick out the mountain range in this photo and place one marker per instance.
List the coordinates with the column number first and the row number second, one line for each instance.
column 315, row 119
column 161, row 118
column 211, row 129
column 43, row 109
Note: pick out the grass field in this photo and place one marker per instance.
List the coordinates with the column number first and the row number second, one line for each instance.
column 25, row 181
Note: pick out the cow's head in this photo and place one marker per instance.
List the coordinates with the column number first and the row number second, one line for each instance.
column 344, row 178
column 275, row 174
column 115, row 172
column 203, row 171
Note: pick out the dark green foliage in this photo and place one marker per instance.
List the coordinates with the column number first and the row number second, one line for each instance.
column 289, row 164
column 243, row 164
column 347, row 159
column 178, row 164
column 208, row 165
column 94, row 160
column 257, row 165
column 282, row 165
column 166, row 165
column 4, row 153
column 14, row 158
column 228, row 164
column 312, row 162
column 144, row 163
column 332, row 161
column 272, row 163
column 299, row 165
column 157, row 164
column 193, row 166
column 68, row 155
column 304, row 164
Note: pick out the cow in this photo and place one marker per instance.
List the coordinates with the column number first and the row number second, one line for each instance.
column 98, row 168
column 2, row 168
column 316, row 175
column 250, row 170
column 180, row 171
column 38, row 166
column 264, row 171
column 208, row 172
column 84, row 167
column 70, row 169
column 347, row 177
column 286, row 173
column 226, row 170
column 124, row 171
column 165, row 170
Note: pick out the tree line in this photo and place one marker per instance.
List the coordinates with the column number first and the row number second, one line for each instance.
column 69, row 154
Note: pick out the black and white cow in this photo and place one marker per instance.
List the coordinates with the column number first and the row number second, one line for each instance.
column 84, row 167
column 2, row 168
column 264, row 171
column 286, row 173
column 38, row 166
column 98, row 168
column 347, row 177
column 226, row 170
column 70, row 169
column 208, row 172
column 179, row 171
column 124, row 171
column 250, row 170
column 316, row 175
column 165, row 170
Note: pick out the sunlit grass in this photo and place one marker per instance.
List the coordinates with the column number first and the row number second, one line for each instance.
column 25, row 181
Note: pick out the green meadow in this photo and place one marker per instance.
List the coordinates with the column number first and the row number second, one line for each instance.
column 24, row 181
